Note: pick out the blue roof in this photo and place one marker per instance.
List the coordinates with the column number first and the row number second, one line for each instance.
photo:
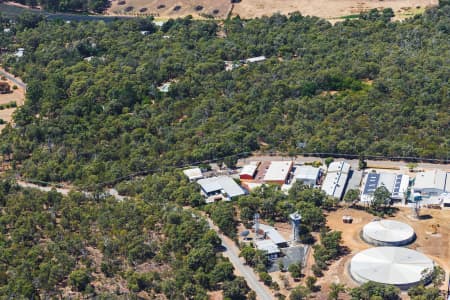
column 371, row 183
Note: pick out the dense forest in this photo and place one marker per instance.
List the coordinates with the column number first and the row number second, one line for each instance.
column 94, row 112
column 55, row 246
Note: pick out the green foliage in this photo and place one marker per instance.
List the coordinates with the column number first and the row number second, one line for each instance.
column 79, row 279
column 266, row 278
column 95, row 121
column 381, row 198
column 335, row 290
column 370, row 290
column 422, row 293
column 223, row 215
column 351, row 196
column 299, row 293
column 236, row 289
column 295, row 270
column 311, row 283
column 56, row 243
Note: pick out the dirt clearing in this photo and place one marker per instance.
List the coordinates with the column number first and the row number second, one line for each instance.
column 17, row 96
column 436, row 246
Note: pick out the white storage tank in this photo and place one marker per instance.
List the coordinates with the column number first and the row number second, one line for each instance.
column 388, row 233
column 397, row 266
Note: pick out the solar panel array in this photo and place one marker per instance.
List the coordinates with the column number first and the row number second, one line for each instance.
column 398, row 181
column 371, row 183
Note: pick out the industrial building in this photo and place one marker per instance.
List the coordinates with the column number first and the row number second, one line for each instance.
column 193, row 174
column 269, row 247
column 388, row 233
column 248, row 172
column 219, row 188
column 432, row 183
column 308, row 175
column 278, row 172
column 396, row 184
column 397, row 266
column 336, row 179
column 273, row 234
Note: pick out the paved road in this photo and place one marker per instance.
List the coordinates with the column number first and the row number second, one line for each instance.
column 13, row 11
column 232, row 252
column 15, row 80
column 65, row 191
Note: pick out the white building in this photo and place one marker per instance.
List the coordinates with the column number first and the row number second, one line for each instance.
column 278, row 172
column 336, row 179
column 432, row 183
column 19, row 52
column 255, row 59
column 269, row 247
column 309, row 175
column 248, row 172
column 273, row 234
column 193, row 174
column 219, row 188
column 164, row 88
column 396, row 184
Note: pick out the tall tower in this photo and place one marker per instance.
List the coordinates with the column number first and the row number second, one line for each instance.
column 256, row 220
column 295, row 222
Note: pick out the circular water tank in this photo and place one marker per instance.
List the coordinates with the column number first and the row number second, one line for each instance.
column 397, row 266
column 388, row 233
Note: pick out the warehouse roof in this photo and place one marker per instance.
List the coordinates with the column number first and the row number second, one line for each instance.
column 434, row 179
column 249, row 170
column 223, row 184
column 193, row 173
column 268, row 246
column 278, row 171
column 272, row 234
column 306, row 172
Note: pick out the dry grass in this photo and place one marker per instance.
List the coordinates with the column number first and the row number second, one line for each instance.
column 333, row 10
column 17, row 96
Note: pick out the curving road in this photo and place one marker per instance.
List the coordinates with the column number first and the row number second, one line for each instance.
column 13, row 79
column 231, row 251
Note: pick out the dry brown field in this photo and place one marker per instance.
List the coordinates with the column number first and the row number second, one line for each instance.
column 17, row 96
column 332, row 10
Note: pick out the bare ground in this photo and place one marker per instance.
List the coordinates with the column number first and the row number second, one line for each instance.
column 436, row 246
column 332, row 10
column 17, row 96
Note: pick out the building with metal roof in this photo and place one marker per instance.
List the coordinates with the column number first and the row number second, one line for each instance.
column 336, row 179
column 278, row 172
column 248, row 172
column 308, row 175
column 193, row 174
column 269, row 247
column 431, row 183
column 217, row 188
column 397, row 266
column 396, row 184
column 388, row 233
column 273, row 234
